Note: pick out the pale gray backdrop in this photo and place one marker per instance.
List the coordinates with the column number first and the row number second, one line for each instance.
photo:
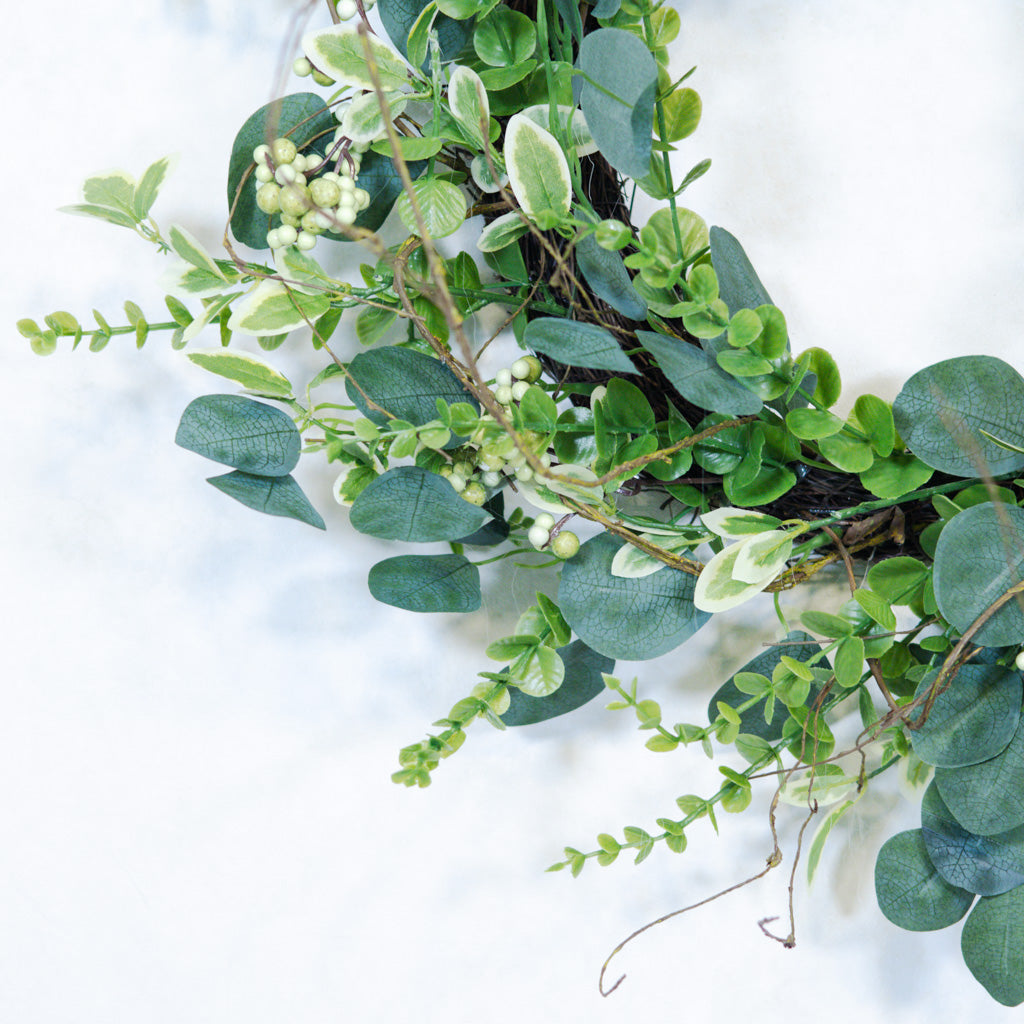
column 200, row 707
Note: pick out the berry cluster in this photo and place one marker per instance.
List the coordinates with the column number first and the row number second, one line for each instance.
column 308, row 205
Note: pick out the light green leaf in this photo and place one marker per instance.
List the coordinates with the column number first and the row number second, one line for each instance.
column 442, row 207
column 273, row 495
column 539, row 673
column 979, row 557
column 247, row 370
column 762, row 557
column 121, row 219
column 412, row 504
column 271, row 308
column 823, row 366
column 577, row 344
column 504, row 38
column 191, row 250
column 874, row 417
column 631, row 562
column 582, row 682
column 821, row 834
column 571, row 120
column 682, row 113
column 426, row 583
column 502, row 231
column 148, row 187
column 810, row 424
column 113, row 189
column 632, row 619
column 942, row 409
column 718, row 587
column 992, row 944
column 910, row 892
column 896, row 475
column 849, row 454
column 338, row 51
column 189, row 282
column 411, row 147
column 240, row 433
column 467, row 98
column 538, row 172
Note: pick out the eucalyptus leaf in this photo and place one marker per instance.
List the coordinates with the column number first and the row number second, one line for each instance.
column 405, row 383
column 399, row 16
column 274, row 495
column 577, row 344
column 608, row 278
column 697, row 377
column 426, row 583
column 942, row 409
column 628, row 619
column 910, row 892
column 738, row 284
column 582, row 683
column 240, row 433
column 987, row 798
column 979, row 557
column 973, row 719
column 986, row 865
column 413, row 504
column 617, row 97
column 992, row 944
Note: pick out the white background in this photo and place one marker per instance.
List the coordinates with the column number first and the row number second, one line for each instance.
column 200, row 707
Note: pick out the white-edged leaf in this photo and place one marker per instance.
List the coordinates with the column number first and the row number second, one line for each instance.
column 186, row 281
column 762, row 557
column 502, row 231
column 301, row 271
column 191, row 250
column 338, row 51
column 149, row 185
column 114, row 189
column 717, row 588
column 271, row 308
column 480, row 168
column 543, row 493
column 734, row 523
column 362, row 120
column 570, row 117
column 442, row 206
column 817, row 846
column 252, row 373
column 210, row 312
column 633, row 563
column 467, row 96
column 538, row 172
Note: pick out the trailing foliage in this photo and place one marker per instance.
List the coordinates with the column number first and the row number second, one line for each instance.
column 657, row 402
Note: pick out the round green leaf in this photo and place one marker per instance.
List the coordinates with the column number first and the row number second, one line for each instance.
column 910, row 892
column 412, row 504
column 582, row 683
column 895, row 476
column 876, row 420
column 628, row 619
column 973, row 719
column 987, row 798
column 986, row 865
column 992, row 944
column 942, row 409
column 442, row 206
column 504, row 38
column 979, row 557
column 240, row 433
column 427, row 583
column 682, row 112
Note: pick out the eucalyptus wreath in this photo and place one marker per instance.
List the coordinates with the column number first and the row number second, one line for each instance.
column 656, row 406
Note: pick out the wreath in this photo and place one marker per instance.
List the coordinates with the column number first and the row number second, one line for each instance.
column 656, row 408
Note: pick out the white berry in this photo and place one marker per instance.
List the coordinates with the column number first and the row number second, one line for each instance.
column 538, row 536
column 305, row 241
column 347, row 9
column 519, row 389
column 503, row 378
column 302, row 67
column 545, row 520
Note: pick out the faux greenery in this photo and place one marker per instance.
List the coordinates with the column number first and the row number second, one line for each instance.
column 657, row 408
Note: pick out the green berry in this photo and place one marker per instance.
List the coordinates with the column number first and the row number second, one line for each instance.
column 283, row 151
column 264, row 173
column 474, row 493
column 321, row 79
column 268, row 197
column 503, row 395
column 565, row 544
column 290, row 220
column 294, row 199
column 260, row 153
column 310, row 222
column 324, row 193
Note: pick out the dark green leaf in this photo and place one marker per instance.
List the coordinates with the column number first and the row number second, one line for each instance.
column 910, row 892
column 404, row 382
column 992, row 944
column 986, row 865
column 608, row 278
column 798, row 645
column 577, row 344
column 427, row 583
column 412, row 504
column 626, row 618
column 274, row 495
column 569, row 12
column 942, row 409
column 621, row 65
column 582, row 683
column 241, row 433
column 987, row 798
column 495, row 530
column 399, row 16
column 300, row 117
column 697, row 377
column 973, row 719
column 979, row 557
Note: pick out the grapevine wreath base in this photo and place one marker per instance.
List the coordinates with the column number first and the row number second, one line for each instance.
column 657, row 401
